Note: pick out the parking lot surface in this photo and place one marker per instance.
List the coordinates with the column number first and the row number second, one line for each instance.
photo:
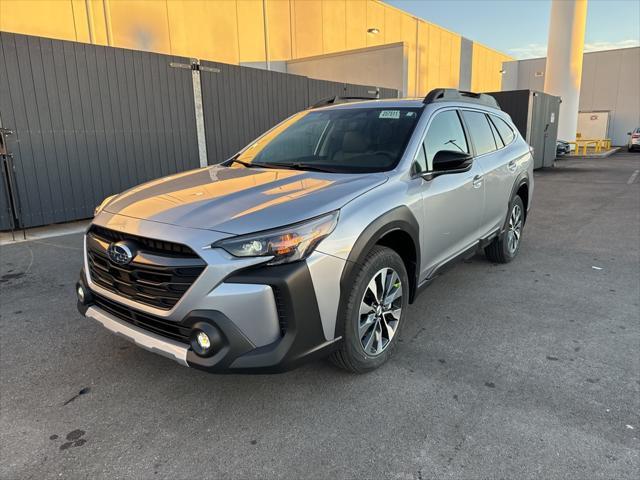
column 525, row 370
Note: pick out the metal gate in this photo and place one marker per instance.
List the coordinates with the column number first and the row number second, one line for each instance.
column 89, row 121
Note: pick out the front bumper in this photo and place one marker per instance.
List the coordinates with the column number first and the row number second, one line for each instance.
column 301, row 338
column 154, row 343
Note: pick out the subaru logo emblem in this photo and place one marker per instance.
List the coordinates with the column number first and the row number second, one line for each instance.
column 121, row 253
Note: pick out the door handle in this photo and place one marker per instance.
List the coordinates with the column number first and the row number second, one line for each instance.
column 512, row 165
column 477, row 181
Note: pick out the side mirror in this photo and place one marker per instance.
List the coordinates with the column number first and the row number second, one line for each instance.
column 449, row 161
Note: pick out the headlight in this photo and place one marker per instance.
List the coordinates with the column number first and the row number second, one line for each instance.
column 286, row 244
column 104, row 203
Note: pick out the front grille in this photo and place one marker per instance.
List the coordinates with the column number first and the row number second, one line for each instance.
column 151, row 323
column 159, row 247
column 159, row 275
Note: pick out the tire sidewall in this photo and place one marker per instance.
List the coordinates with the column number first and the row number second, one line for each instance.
column 382, row 258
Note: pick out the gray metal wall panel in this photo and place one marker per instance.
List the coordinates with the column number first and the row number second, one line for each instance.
column 388, row 93
column 5, row 221
column 241, row 103
column 90, row 121
column 321, row 89
column 6, row 114
column 360, row 90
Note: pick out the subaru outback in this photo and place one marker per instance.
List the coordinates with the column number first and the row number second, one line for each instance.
column 313, row 240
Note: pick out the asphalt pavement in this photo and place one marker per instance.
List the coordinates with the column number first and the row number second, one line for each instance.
column 525, row 370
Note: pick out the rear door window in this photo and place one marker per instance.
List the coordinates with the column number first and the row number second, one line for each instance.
column 480, row 132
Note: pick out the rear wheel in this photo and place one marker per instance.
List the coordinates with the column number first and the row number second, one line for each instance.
column 374, row 312
column 505, row 246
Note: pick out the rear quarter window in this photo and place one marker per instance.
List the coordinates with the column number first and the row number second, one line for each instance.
column 506, row 132
column 480, row 131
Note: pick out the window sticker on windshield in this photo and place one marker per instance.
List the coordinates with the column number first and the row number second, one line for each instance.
column 395, row 114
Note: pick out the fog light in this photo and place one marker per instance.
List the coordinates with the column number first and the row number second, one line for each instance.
column 203, row 341
column 81, row 294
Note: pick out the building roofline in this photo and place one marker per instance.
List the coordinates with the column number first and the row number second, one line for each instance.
column 585, row 53
column 415, row 17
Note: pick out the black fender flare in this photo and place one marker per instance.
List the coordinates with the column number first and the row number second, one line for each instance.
column 399, row 218
column 523, row 179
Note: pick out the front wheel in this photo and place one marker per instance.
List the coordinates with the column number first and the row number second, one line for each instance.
column 505, row 246
column 374, row 311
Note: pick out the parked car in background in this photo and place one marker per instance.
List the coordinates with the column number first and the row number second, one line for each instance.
column 562, row 148
column 634, row 140
column 312, row 240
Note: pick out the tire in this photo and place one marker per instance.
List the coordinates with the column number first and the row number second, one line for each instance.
column 381, row 326
column 503, row 249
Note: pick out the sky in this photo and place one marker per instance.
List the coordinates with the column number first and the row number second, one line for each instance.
column 520, row 27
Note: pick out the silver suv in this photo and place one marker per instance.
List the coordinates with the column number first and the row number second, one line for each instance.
column 313, row 240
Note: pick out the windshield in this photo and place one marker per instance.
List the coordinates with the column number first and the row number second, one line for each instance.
column 342, row 140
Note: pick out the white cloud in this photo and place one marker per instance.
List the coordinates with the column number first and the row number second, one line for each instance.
column 532, row 50
column 537, row 50
column 597, row 46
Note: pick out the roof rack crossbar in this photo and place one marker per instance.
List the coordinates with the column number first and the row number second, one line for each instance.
column 451, row 94
column 336, row 100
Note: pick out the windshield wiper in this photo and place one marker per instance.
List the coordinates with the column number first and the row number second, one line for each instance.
column 297, row 166
column 253, row 165
column 241, row 162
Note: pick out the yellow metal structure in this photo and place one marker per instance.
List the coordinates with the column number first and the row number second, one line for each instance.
column 247, row 31
column 598, row 145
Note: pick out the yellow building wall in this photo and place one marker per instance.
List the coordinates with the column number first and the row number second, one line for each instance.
column 486, row 65
column 233, row 31
column 334, row 26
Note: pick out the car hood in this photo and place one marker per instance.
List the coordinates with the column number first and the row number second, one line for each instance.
column 241, row 200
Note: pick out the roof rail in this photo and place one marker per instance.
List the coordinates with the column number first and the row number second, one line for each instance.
column 337, row 99
column 451, row 94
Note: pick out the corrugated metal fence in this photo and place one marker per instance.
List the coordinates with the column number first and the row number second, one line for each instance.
column 89, row 121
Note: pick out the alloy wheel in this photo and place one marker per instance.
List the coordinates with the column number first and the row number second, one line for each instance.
column 515, row 229
column 380, row 311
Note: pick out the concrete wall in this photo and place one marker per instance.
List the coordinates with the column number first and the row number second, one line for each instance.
column 255, row 32
column 610, row 82
column 385, row 66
